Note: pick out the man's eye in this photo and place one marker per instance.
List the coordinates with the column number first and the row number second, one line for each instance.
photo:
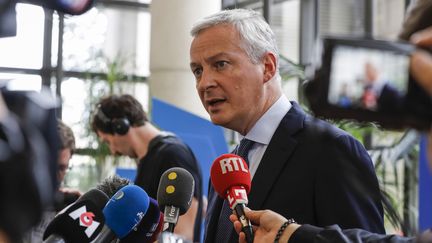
column 221, row 64
column 197, row 72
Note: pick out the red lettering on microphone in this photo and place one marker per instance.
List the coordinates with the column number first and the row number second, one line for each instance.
column 87, row 218
column 236, row 195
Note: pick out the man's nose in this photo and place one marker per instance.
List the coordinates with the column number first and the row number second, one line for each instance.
column 112, row 150
column 207, row 80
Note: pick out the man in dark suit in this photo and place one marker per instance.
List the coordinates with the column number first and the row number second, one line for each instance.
column 379, row 94
column 301, row 167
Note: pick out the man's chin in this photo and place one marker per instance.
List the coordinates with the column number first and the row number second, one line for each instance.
column 217, row 120
column 133, row 156
column 220, row 122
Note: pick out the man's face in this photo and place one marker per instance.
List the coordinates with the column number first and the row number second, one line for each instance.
column 63, row 163
column 230, row 86
column 118, row 144
column 371, row 73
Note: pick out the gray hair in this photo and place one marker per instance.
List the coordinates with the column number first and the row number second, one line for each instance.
column 257, row 36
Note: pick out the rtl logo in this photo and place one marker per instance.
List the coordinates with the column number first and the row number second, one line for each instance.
column 232, row 164
column 236, row 195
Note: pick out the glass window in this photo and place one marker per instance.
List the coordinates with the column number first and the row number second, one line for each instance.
column 83, row 40
column 341, row 17
column 90, row 46
column 21, row 81
column 25, row 49
column 387, row 18
column 285, row 23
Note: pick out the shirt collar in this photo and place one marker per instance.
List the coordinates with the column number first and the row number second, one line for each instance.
column 265, row 127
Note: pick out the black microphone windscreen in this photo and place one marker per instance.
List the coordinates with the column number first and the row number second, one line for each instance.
column 79, row 222
column 98, row 197
column 112, row 184
column 176, row 188
column 147, row 227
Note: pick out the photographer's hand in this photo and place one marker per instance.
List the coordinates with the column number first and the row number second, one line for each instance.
column 421, row 69
column 266, row 225
column 3, row 108
column 421, row 61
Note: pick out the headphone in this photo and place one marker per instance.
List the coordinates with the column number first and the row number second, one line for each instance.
column 117, row 125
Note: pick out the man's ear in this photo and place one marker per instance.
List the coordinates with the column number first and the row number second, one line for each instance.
column 270, row 66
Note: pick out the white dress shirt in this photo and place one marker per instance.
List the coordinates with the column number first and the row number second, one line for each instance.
column 263, row 130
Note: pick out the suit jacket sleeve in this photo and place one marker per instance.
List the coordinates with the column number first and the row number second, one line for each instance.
column 334, row 234
column 347, row 174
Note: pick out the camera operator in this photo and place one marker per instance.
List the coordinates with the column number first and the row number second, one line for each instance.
column 29, row 142
column 271, row 226
column 28, row 155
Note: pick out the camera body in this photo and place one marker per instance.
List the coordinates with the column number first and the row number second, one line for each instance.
column 368, row 80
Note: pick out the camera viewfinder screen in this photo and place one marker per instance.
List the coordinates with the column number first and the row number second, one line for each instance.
column 366, row 78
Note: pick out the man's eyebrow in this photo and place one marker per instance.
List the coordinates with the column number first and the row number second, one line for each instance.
column 216, row 57
column 193, row 65
column 209, row 59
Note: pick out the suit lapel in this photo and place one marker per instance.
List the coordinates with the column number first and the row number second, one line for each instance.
column 276, row 156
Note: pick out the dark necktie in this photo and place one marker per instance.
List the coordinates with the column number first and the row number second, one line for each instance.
column 225, row 227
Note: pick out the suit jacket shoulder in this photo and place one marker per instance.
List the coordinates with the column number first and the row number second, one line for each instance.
column 318, row 174
column 315, row 173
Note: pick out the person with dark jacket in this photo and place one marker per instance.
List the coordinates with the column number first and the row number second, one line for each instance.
column 234, row 58
column 273, row 227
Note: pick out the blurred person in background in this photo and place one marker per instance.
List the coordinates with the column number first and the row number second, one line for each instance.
column 65, row 195
column 120, row 121
column 68, row 195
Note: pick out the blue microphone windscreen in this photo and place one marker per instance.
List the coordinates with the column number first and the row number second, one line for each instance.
column 125, row 210
column 147, row 227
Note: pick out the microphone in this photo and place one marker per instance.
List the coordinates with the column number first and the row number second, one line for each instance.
column 158, row 228
column 149, row 227
column 80, row 221
column 175, row 192
column 110, row 186
column 126, row 209
column 231, row 179
column 74, row 7
column 167, row 237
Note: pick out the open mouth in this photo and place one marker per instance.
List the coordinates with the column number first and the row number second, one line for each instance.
column 214, row 102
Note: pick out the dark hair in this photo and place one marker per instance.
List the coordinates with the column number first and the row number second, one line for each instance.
column 67, row 139
column 112, row 184
column 118, row 106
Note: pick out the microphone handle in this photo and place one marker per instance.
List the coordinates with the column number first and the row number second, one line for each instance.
column 105, row 236
column 54, row 239
column 171, row 215
column 169, row 227
column 246, row 224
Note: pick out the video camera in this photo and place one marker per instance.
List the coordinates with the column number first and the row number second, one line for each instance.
column 29, row 140
column 8, row 13
column 368, row 80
